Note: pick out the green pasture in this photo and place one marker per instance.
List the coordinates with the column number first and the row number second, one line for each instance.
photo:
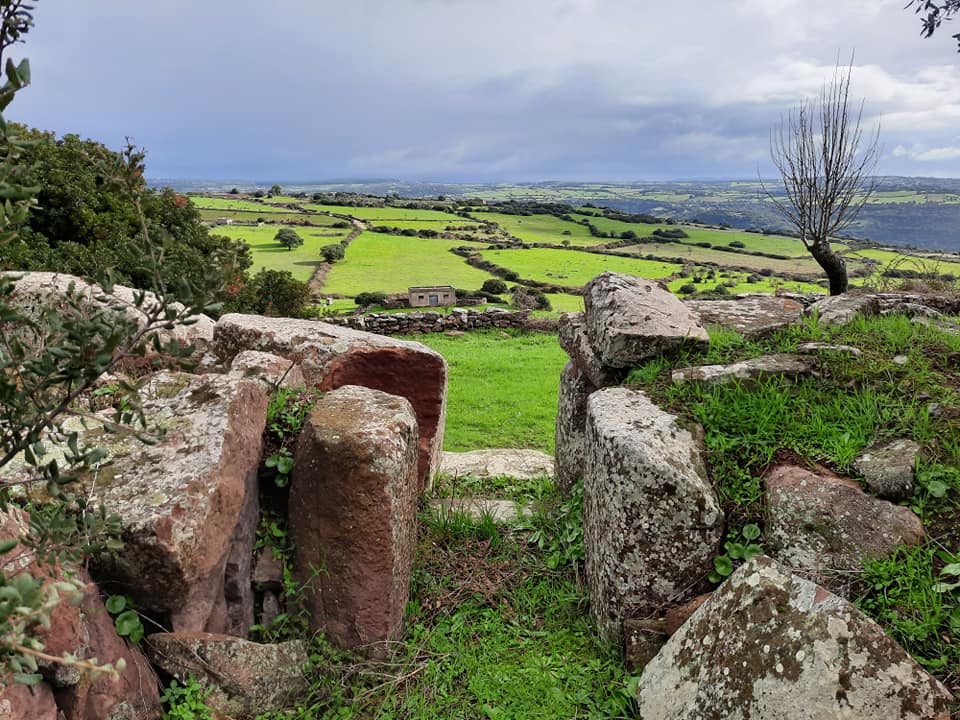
column 692, row 253
column 503, row 388
column 273, row 217
column 561, row 302
column 218, row 203
column 569, row 267
column 736, row 283
column 268, row 253
column 391, row 263
column 438, row 225
column 379, row 215
column 890, row 259
column 542, row 228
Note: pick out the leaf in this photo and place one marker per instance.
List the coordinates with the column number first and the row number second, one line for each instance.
column 751, row 531
column 723, row 565
column 127, row 623
column 116, row 604
column 937, row 488
column 734, row 550
column 285, row 464
column 8, row 545
column 27, row 678
column 951, row 569
column 751, row 550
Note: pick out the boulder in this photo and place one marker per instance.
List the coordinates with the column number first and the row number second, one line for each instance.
column 768, row 644
column 180, row 501
column 570, row 436
column 841, row 309
column 510, row 462
column 651, row 520
column 572, row 336
column 754, row 316
column 826, row 525
column 26, row 702
column 332, row 356
column 775, row 365
column 271, row 370
column 36, row 289
column 815, row 348
column 888, row 468
column 245, row 679
column 629, row 320
column 353, row 513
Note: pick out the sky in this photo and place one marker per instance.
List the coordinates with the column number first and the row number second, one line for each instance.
column 481, row 90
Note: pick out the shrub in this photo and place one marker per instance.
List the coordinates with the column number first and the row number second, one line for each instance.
column 493, row 285
column 736, row 244
column 365, row 299
column 341, row 224
column 527, row 298
column 332, row 253
column 288, row 238
column 688, row 288
column 511, row 276
column 274, row 292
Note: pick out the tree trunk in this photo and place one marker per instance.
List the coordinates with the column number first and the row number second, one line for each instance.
column 833, row 265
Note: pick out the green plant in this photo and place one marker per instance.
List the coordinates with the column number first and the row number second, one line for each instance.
column 556, row 528
column 740, row 546
column 287, row 410
column 125, row 618
column 186, row 701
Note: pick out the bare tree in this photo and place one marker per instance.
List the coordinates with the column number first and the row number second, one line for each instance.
column 827, row 168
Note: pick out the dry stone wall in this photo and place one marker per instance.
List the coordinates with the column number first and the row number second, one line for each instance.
column 418, row 323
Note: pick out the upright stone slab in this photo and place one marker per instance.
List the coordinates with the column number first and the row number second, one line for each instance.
column 572, row 335
column 629, row 320
column 353, row 513
column 651, row 520
column 332, row 356
column 768, row 644
column 570, row 439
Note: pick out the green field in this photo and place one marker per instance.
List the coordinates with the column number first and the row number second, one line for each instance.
column 888, row 259
column 569, row 267
column 763, row 284
column 268, row 253
column 381, row 214
column 248, row 216
column 391, row 264
column 692, row 253
column 503, row 388
column 542, row 229
column 217, row 203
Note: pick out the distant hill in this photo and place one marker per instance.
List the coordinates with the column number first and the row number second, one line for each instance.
column 906, row 211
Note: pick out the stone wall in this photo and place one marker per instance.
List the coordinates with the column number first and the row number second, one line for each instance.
column 430, row 322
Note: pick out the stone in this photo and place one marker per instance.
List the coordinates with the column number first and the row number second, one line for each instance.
column 268, row 570
column 841, row 309
column 826, row 525
column 271, row 370
column 900, row 359
column 652, row 523
column 571, row 428
column 502, row 512
column 677, row 616
column 26, row 702
column 629, row 320
column 34, row 289
column 642, row 640
column 572, row 335
column 783, row 365
column 245, row 679
column 353, row 514
column 753, row 316
column 181, row 500
column 332, row 356
column 888, row 468
column 814, row 348
column 508, row 462
column 769, row 644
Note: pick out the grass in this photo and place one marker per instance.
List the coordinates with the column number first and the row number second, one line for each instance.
column 692, row 253
column 268, row 253
column 542, row 228
column 503, row 388
column 735, row 282
column 391, row 264
column 569, row 267
column 218, row 203
column 382, row 214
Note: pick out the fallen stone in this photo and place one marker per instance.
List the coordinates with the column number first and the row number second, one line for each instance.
column 642, row 640
column 888, row 468
column 911, row 309
column 651, row 520
column 572, row 336
column 571, row 428
column 826, row 525
column 814, row 348
column 783, row 365
column 268, row 570
column 353, row 514
column 677, row 616
column 26, row 702
column 629, row 320
column 769, row 644
column 500, row 511
column 508, row 462
column 753, row 316
column 332, row 356
column 245, row 679
column 271, row 370
column 841, row 309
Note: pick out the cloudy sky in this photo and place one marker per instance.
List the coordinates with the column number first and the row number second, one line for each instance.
column 488, row 90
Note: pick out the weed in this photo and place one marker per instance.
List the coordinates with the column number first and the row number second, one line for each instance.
column 186, row 701
column 556, row 528
column 740, row 546
column 126, row 619
column 287, row 411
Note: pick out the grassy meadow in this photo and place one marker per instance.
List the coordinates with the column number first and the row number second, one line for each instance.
column 567, row 267
column 542, row 229
column 270, row 254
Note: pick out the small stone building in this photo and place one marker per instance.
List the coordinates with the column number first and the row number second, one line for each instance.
column 432, row 296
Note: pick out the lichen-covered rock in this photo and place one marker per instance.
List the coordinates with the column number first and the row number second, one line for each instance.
column 507, row 462
column 769, row 644
column 651, row 520
column 244, row 679
column 271, row 370
column 26, row 702
column 353, row 514
column 629, row 320
column 815, row 348
column 778, row 364
column 572, row 335
column 332, row 356
column 888, row 468
column 827, row 525
column 570, row 436
column 34, row 289
column 753, row 316
column 841, row 309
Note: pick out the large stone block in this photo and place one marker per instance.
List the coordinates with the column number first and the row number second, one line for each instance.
column 754, row 316
column 651, row 520
column 353, row 513
column 572, row 335
column 768, row 644
column 629, row 320
column 332, row 356
column 570, row 437
column 782, row 365
column 841, row 309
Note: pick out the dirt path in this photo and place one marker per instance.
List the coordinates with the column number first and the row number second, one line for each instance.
column 319, row 276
